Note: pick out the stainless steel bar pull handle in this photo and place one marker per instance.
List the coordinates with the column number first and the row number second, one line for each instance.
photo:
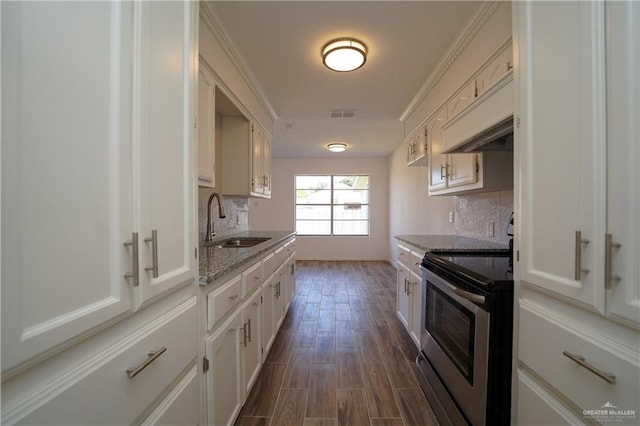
column 154, row 253
column 133, row 372
column 244, row 335
column 443, row 168
column 610, row 277
column 134, row 274
column 607, row 377
column 578, row 269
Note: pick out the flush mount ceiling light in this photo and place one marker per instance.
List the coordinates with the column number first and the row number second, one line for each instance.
column 344, row 54
column 337, row 147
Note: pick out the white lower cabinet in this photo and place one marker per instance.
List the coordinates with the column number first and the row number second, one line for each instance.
column 403, row 304
column 268, row 307
column 251, row 345
column 243, row 317
column 224, row 388
column 409, row 290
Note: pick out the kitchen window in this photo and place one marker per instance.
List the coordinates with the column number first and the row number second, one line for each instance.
column 332, row 204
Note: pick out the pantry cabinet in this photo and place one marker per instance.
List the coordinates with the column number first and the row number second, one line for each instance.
column 98, row 183
column 578, row 209
column 98, row 197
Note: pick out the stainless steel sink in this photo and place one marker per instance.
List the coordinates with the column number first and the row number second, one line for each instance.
column 241, row 242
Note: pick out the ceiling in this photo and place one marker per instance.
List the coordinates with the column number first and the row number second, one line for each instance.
column 280, row 42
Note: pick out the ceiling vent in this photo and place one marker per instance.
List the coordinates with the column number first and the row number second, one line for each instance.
column 343, row 113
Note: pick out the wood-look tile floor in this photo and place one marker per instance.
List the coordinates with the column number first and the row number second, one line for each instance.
column 341, row 357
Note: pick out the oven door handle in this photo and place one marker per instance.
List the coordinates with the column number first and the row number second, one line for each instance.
column 476, row 298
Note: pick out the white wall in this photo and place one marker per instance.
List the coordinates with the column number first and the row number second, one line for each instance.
column 412, row 211
column 278, row 213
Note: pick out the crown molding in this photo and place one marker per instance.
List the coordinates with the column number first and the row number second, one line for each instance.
column 219, row 30
column 482, row 15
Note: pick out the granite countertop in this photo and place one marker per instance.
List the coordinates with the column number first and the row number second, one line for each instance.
column 431, row 243
column 216, row 262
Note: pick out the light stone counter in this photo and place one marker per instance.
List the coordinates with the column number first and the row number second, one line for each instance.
column 216, row 262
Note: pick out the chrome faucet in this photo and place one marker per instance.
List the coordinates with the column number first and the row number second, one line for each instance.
column 210, row 232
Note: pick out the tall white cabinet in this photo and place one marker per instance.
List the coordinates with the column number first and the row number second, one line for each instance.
column 577, row 209
column 98, row 182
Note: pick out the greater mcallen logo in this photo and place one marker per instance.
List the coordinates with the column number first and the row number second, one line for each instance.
column 609, row 413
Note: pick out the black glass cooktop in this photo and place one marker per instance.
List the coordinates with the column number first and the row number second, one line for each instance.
column 491, row 271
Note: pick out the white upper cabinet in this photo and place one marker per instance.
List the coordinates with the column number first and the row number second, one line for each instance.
column 622, row 276
column 437, row 160
column 246, row 154
column 261, row 162
column 418, row 148
column 96, row 152
column 495, row 69
column 206, row 126
column 563, row 150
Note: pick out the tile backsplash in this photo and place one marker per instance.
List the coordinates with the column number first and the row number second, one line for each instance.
column 236, row 210
column 475, row 212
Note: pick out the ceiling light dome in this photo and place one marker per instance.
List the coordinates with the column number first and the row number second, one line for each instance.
column 337, row 147
column 344, row 54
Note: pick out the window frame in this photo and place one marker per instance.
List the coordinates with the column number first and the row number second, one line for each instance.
column 332, row 205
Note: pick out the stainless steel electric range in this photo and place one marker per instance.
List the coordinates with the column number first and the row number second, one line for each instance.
column 466, row 339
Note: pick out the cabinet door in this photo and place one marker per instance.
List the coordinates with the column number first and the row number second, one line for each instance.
column 266, row 164
column 251, row 346
column 268, row 331
column 206, row 126
column 562, row 154
column 415, row 289
column 623, row 92
column 494, row 70
column 437, row 160
column 278, row 299
column 66, row 176
column 257, row 156
column 462, row 169
column 164, row 101
column 462, row 99
column 224, row 389
column 402, row 298
column 290, row 282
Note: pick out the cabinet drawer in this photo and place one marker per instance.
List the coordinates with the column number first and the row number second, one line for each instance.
column 536, row 406
column 252, row 278
column 404, row 254
column 223, row 299
column 290, row 248
column 181, row 406
column 544, row 338
column 100, row 389
column 269, row 265
column 280, row 255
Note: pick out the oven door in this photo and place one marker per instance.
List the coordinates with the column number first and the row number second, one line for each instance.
column 455, row 340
